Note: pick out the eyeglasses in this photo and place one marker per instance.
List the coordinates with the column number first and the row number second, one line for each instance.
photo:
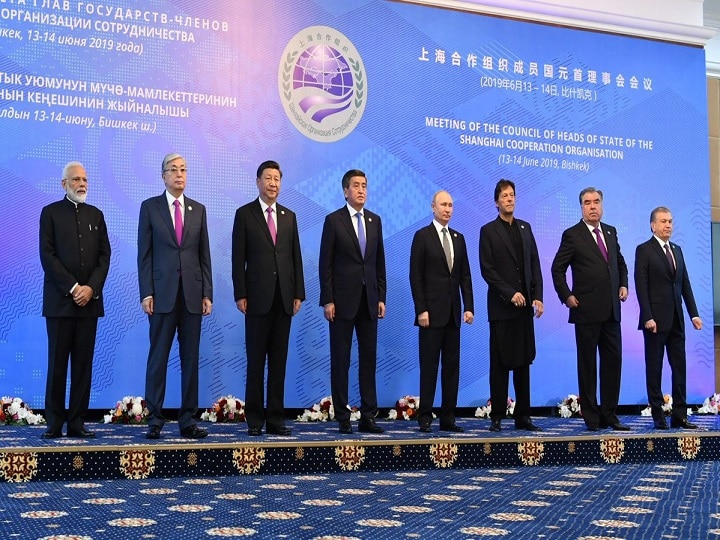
column 175, row 170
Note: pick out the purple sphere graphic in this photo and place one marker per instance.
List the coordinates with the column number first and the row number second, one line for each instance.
column 326, row 78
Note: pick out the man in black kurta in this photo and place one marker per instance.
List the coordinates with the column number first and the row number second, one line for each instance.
column 510, row 265
column 75, row 256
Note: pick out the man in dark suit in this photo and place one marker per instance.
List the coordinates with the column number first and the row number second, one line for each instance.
column 75, row 256
column 176, row 291
column 439, row 275
column 662, row 283
column 510, row 265
column 352, row 295
column 599, row 284
column 269, row 288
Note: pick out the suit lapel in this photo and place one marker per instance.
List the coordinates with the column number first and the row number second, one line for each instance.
column 348, row 224
column 660, row 252
column 164, row 212
column 258, row 214
column 589, row 238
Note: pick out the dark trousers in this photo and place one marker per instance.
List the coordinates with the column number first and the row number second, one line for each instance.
column 266, row 336
column 69, row 339
column 672, row 341
column 341, row 332
column 603, row 338
column 517, row 348
column 162, row 332
column 436, row 344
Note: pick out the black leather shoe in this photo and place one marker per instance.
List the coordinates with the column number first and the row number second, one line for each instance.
column 527, row 426
column 369, row 426
column 425, row 428
column 593, row 427
column 495, row 425
column 660, row 424
column 453, row 428
column 153, row 432
column 682, row 423
column 617, row 426
column 279, row 430
column 194, row 432
column 345, row 427
column 81, row 433
column 254, row 431
column 51, row 434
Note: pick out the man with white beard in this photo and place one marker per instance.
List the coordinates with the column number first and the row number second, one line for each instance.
column 75, row 256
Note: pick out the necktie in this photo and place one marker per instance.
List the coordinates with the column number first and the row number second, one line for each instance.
column 601, row 243
column 361, row 233
column 271, row 225
column 446, row 248
column 178, row 222
column 671, row 262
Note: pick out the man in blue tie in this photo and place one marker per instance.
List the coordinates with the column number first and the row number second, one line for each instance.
column 352, row 295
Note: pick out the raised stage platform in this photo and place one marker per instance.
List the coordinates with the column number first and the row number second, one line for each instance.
column 121, row 451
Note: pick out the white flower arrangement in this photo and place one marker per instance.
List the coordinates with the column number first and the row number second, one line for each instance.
column 710, row 405
column 484, row 412
column 129, row 410
column 324, row 411
column 226, row 409
column 667, row 407
column 570, row 407
column 14, row 412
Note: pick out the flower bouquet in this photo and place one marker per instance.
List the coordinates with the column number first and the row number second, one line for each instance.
column 324, row 411
column 225, row 409
column 484, row 412
column 129, row 410
column 710, row 405
column 570, row 407
column 406, row 408
column 14, row 412
column 667, row 407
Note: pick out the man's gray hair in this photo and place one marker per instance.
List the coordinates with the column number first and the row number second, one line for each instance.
column 170, row 157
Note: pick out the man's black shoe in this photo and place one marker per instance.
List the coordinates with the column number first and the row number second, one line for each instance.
column 660, row 424
column 682, row 423
column 369, row 426
column 452, row 427
column 495, row 425
column 254, row 431
column 153, row 432
column 279, row 430
column 345, row 427
column 425, row 428
column 51, row 434
column 81, row 433
column 193, row 432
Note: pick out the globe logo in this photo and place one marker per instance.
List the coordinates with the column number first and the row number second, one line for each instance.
column 322, row 84
column 325, row 76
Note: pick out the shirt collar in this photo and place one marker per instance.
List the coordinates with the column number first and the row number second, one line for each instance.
column 171, row 199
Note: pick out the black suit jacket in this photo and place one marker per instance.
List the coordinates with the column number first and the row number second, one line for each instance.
column 499, row 268
column 74, row 248
column 595, row 283
column 258, row 265
column 343, row 270
column 660, row 291
column 161, row 260
column 434, row 287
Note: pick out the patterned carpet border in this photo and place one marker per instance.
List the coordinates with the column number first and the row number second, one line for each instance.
column 123, row 452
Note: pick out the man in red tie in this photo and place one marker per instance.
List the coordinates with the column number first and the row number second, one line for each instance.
column 269, row 287
column 662, row 283
column 599, row 283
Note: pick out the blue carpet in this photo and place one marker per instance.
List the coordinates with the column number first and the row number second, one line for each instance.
column 634, row 501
